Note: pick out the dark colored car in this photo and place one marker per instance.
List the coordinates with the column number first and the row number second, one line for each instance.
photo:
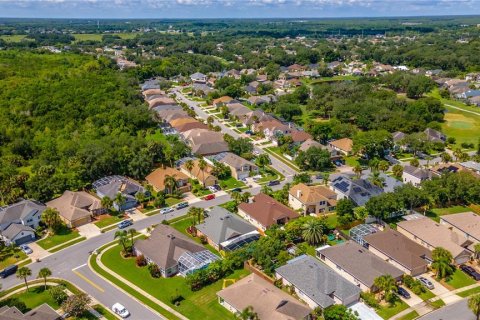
column 217, row 187
column 471, row 272
column 8, row 271
column 404, row 293
column 237, row 190
column 182, row 205
column 124, row 224
column 273, row 183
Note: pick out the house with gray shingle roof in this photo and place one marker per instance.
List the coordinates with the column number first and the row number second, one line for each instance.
column 226, row 231
column 111, row 186
column 415, row 175
column 18, row 221
column 317, row 284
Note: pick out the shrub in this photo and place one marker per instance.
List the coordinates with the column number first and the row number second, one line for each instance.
column 14, row 302
column 141, row 261
column 203, row 239
column 58, row 294
column 369, row 299
column 176, row 299
column 154, row 270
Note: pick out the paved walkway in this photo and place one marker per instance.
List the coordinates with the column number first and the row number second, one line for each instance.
column 134, row 287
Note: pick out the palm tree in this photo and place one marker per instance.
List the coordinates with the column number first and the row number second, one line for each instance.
column 476, row 249
column 121, row 235
column 247, row 314
column 386, row 284
column 202, row 165
column 170, row 183
column 266, row 189
column 107, row 203
column 442, row 262
column 44, row 273
column 140, row 197
column 131, row 232
column 189, row 166
column 383, row 166
column 246, row 196
column 51, row 217
column 446, row 157
column 357, row 170
column 120, row 201
column 474, row 305
column 23, row 273
column 376, row 179
column 313, row 231
column 397, row 170
column 236, row 196
column 192, row 212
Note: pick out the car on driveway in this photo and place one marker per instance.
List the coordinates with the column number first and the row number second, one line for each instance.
column 273, row 183
column 217, row 187
column 237, row 190
column 166, row 210
column 120, row 310
column 26, row 249
column 404, row 293
column 427, row 283
column 209, row 197
column 212, row 189
column 124, row 224
column 181, row 205
column 470, row 271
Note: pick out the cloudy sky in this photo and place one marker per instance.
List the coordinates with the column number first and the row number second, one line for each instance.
column 233, row 8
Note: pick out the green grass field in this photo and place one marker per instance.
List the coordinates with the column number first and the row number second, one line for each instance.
column 98, row 36
column 386, row 312
column 33, row 298
column 199, row 305
column 182, row 225
column 435, row 214
column 9, row 257
column 469, row 292
column 460, row 279
column 410, row 316
column 109, row 221
column 60, row 237
column 231, row 183
column 13, row 38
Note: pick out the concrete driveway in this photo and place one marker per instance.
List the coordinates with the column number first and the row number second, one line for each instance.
column 439, row 288
column 414, row 299
column 89, row 230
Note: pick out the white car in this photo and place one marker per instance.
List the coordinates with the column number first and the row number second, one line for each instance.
column 26, row 249
column 120, row 310
column 212, row 188
column 166, row 210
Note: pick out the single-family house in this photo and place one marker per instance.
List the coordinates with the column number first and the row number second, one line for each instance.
column 157, row 180
column 272, row 128
column 173, row 252
column 358, row 265
column 434, row 135
column 76, row 208
column 240, row 167
column 471, row 165
column 221, row 101
column 431, row 235
column 309, row 143
column 296, row 68
column 415, row 175
column 205, row 142
column 25, row 212
column 164, row 100
column 152, row 92
column 225, row 230
column 42, row 312
column 343, row 145
column 264, row 211
column 256, row 116
column 198, row 77
column 465, row 223
column 256, row 100
column 267, row 301
column 405, row 254
column 358, row 190
column 203, row 176
column 299, row 136
column 312, row 199
column 316, row 284
column 111, row 186
column 201, row 89
column 397, row 138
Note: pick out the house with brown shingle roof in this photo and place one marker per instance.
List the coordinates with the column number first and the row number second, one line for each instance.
column 205, row 176
column 157, row 179
column 342, row 145
column 466, row 223
column 76, row 208
column 312, row 199
column 221, row 101
column 299, row 136
column 309, row 143
column 267, row 301
column 239, row 167
column 161, row 101
column 264, row 211
column 205, row 142
column 271, row 128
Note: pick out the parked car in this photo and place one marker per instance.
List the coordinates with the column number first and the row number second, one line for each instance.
column 217, row 187
column 8, row 271
column 182, row 205
column 237, row 190
column 427, row 283
column 209, row 197
column 26, row 249
column 125, row 223
column 249, row 132
column 256, row 152
column 120, row 310
column 470, row 271
column 273, row 183
column 404, row 293
column 166, row 210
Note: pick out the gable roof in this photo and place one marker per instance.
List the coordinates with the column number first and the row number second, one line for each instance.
column 165, row 246
column 42, row 312
column 313, row 194
column 359, row 262
column 398, row 136
column 205, row 142
column 468, row 222
column 419, row 173
column 317, row 281
column 344, row 144
column 181, row 121
column 20, row 210
column 399, row 248
column 359, row 190
column 266, row 210
column 309, row 143
column 221, row 225
column 233, row 160
column 110, row 186
column 75, row 205
column 160, row 101
column 14, row 229
column 190, row 126
column 197, row 173
column 300, row 136
column 224, row 99
column 269, row 302
column 434, row 135
column 157, row 177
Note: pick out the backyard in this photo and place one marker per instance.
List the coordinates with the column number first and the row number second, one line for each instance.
column 61, row 236
column 436, row 213
column 201, row 304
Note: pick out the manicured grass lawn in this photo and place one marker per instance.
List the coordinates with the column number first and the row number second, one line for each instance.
column 34, row 297
column 331, row 221
column 200, row 305
column 9, row 257
column 437, row 212
column 460, row 279
column 109, row 221
column 231, row 183
column 437, row 304
column 77, row 240
column 426, row 295
column 201, row 192
column 170, row 201
column 267, row 175
column 469, row 292
column 388, row 311
column 104, row 312
column 351, row 161
column 410, row 316
column 275, row 151
column 60, row 237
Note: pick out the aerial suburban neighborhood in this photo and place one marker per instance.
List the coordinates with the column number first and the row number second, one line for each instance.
column 240, row 169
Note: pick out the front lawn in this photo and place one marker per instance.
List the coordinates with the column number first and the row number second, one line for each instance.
column 410, row 316
column 351, row 161
column 199, row 305
column 62, row 236
column 426, row 295
column 171, row 201
column 388, row 311
column 437, row 303
column 459, row 279
column 33, row 298
column 106, row 221
column 230, row 183
column 436, row 213
column 469, row 292
column 201, row 192
column 9, row 256
column 267, row 175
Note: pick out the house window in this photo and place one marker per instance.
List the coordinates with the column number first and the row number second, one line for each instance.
column 322, row 203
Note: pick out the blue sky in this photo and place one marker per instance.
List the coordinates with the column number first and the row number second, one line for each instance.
column 233, row 8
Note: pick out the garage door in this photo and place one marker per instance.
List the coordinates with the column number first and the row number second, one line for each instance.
column 23, row 240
